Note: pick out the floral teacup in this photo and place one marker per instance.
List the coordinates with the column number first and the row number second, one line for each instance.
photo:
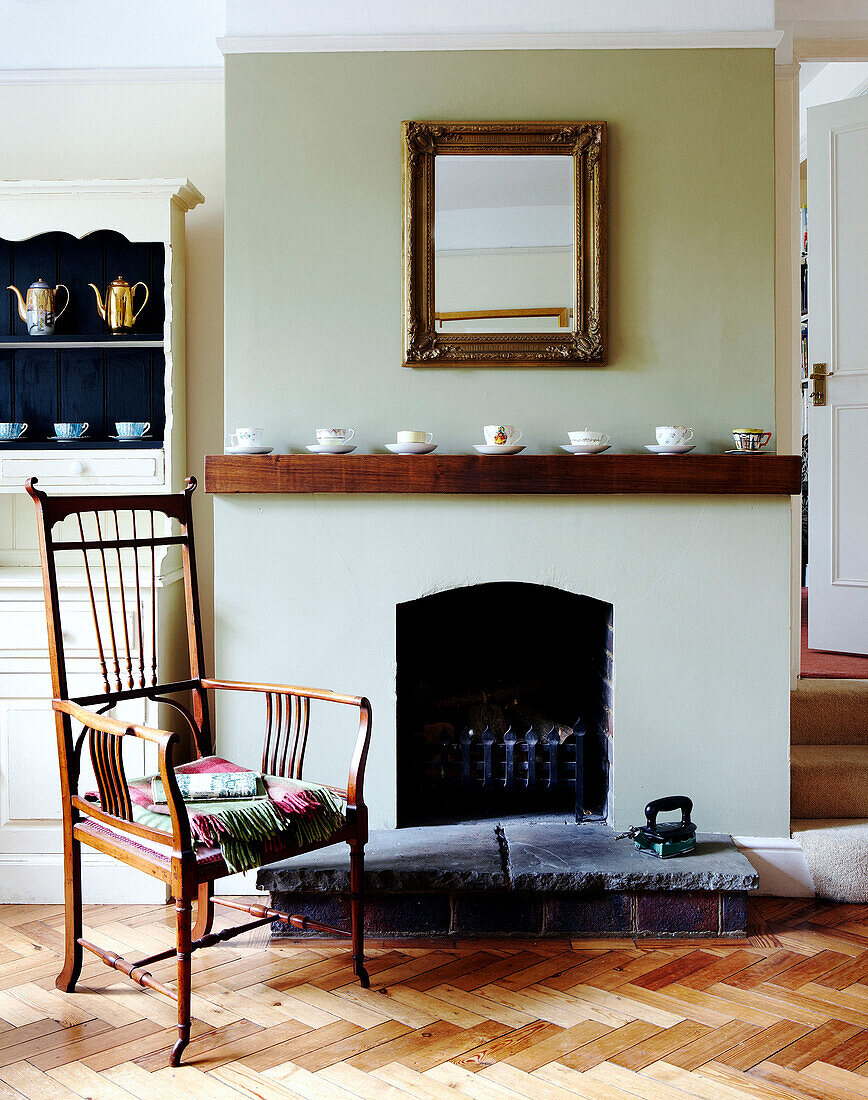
column 673, row 435
column 501, row 435
column 246, row 437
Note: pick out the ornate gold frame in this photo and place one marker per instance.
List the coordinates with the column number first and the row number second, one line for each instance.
column 585, row 142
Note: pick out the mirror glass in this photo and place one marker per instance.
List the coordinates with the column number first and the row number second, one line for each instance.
column 503, row 244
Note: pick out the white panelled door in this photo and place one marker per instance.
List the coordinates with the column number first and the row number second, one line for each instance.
column 838, row 337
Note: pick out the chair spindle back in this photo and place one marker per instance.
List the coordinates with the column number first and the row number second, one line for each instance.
column 287, row 719
column 122, row 542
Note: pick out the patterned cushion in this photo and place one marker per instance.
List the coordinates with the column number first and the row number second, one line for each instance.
column 140, row 846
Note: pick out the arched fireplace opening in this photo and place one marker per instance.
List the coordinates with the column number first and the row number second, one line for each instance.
column 504, row 704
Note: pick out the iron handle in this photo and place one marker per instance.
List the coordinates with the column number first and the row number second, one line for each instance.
column 666, row 805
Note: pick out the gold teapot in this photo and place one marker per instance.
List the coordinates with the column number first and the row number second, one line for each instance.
column 117, row 311
column 37, row 312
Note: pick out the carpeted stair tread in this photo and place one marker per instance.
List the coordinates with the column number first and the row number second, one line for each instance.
column 836, row 851
column 829, row 781
column 829, row 712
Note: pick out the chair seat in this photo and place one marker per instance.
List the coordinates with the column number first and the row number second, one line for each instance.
column 160, row 855
column 209, row 860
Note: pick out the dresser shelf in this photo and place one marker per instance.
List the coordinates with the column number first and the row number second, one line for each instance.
column 83, row 445
column 67, row 343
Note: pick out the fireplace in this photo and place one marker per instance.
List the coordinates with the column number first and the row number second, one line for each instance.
column 504, row 696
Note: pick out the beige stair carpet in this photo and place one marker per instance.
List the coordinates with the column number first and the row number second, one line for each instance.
column 837, row 856
column 829, row 784
column 829, row 781
column 829, row 712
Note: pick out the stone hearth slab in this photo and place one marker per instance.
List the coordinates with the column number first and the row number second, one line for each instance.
column 566, row 858
column 427, row 858
column 526, row 855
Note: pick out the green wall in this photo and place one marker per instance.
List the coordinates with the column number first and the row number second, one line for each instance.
column 306, row 587
column 313, row 273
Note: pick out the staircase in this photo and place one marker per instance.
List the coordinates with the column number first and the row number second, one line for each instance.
column 829, row 784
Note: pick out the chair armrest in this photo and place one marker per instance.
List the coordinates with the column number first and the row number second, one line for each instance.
column 114, row 726
column 355, row 781
column 111, row 762
column 285, row 689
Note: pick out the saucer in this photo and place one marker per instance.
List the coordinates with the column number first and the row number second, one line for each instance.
column 129, row 438
column 411, row 448
column 585, row 448
column 740, row 452
column 69, row 438
column 669, row 449
column 249, row 450
column 495, row 449
column 330, row 448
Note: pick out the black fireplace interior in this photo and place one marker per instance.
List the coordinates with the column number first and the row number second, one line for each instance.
column 504, row 696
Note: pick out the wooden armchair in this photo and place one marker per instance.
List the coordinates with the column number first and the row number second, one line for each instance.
column 126, row 643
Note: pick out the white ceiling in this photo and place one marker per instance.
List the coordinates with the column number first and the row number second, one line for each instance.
column 37, row 35
column 58, row 36
column 343, row 17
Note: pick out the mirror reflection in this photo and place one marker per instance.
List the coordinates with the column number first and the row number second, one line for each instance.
column 503, row 244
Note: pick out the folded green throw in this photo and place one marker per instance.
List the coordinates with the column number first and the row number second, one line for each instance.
column 249, row 831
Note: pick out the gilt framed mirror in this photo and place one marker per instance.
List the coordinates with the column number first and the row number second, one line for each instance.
column 504, row 244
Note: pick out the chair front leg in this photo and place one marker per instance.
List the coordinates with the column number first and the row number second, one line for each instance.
column 67, row 978
column 357, row 912
column 183, row 912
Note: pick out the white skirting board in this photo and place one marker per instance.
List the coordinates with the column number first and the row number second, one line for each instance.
column 38, row 880
column 244, row 883
column 780, row 864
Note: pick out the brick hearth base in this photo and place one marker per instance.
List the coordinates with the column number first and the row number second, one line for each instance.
column 521, row 877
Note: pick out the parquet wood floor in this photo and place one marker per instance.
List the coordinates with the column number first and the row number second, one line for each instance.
column 781, row 1016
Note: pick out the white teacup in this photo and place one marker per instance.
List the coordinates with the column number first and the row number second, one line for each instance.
column 587, row 437
column 415, row 437
column 246, row 437
column 673, row 435
column 334, row 437
column 10, row 429
column 501, row 435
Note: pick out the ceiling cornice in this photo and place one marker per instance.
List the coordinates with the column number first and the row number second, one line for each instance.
column 384, row 43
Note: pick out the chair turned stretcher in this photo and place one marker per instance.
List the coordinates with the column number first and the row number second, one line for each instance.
column 121, row 541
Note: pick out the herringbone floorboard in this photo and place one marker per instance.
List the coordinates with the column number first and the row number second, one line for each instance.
column 783, row 1016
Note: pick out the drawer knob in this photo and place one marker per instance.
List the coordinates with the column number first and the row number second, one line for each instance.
column 76, row 468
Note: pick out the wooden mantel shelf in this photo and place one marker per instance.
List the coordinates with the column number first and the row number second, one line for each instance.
column 530, row 475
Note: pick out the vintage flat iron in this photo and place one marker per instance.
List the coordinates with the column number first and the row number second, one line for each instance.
column 671, row 838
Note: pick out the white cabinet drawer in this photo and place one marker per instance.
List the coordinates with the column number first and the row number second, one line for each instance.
column 23, row 632
column 56, row 468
